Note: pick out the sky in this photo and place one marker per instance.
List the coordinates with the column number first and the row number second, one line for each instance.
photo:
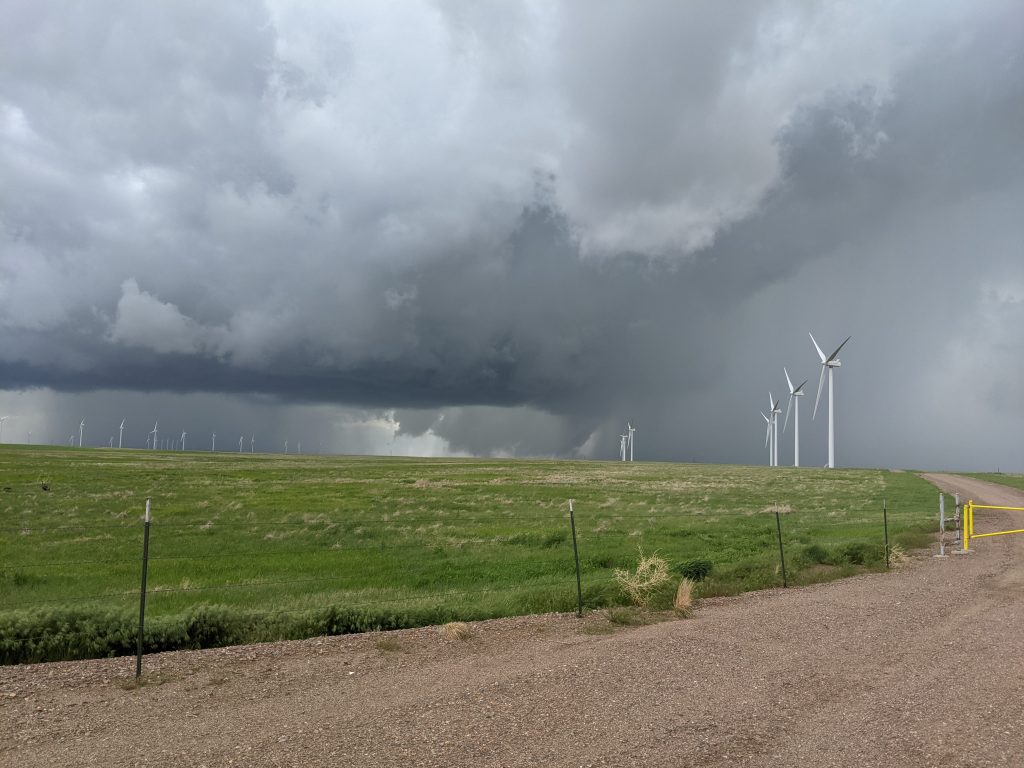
column 443, row 227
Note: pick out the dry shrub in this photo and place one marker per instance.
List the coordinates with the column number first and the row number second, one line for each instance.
column 456, row 630
column 650, row 575
column 782, row 509
column 684, row 597
column 898, row 556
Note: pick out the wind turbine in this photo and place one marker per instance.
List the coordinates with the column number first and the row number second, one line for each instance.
column 828, row 363
column 774, row 413
column 631, row 429
column 298, row 449
column 183, row 436
column 285, row 447
column 81, row 429
column 241, row 438
column 252, row 443
column 120, row 433
column 154, row 433
column 768, row 440
column 794, row 393
column 2, row 420
column 111, row 441
column 213, row 443
column 622, row 447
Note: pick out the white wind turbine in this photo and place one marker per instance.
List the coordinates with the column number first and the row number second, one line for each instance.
column 241, row 439
column 298, row 448
column 774, row 413
column 252, row 443
column 213, row 443
column 81, row 430
column 794, row 393
column 2, row 420
column 768, row 440
column 184, row 434
column 154, row 433
column 828, row 363
column 286, row 447
column 631, row 429
column 120, row 433
column 622, row 447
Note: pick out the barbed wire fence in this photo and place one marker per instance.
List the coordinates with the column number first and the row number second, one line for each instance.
column 387, row 572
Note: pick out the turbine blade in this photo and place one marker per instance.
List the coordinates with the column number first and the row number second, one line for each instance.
column 788, row 380
column 798, row 389
column 788, row 406
column 836, row 353
column 820, row 353
column 821, row 382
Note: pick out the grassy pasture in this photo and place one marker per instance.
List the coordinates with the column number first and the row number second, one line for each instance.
column 254, row 547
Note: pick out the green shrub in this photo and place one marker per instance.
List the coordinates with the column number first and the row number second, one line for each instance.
column 696, row 569
column 815, row 553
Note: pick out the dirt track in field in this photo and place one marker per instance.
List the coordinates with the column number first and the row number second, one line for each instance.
column 920, row 667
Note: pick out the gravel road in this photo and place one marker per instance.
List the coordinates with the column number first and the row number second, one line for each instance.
column 918, row 667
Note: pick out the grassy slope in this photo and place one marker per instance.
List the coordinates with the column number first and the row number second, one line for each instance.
column 402, row 541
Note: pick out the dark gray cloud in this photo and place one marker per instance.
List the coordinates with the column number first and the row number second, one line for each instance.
column 507, row 230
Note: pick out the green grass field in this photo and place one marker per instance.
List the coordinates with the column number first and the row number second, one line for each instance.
column 256, row 547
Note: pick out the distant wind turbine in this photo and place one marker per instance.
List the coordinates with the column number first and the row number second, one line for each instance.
column 213, row 443
column 252, row 443
column 154, row 433
column 111, row 441
column 828, row 363
column 2, row 420
column 622, row 447
column 298, row 448
column 286, row 447
column 241, row 439
column 631, row 429
column 183, row 436
column 120, row 433
column 794, row 393
column 81, row 430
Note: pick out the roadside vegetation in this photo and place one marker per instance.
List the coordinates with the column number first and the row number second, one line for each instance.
column 261, row 547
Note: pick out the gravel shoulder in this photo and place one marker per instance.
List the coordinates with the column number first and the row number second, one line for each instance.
column 917, row 667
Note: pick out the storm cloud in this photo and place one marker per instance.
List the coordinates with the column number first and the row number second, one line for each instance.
column 506, row 229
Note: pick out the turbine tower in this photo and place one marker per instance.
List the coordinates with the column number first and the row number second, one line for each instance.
column 768, row 440
column 241, row 439
column 631, row 429
column 81, row 429
column 794, row 393
column 183, row 436
column 252, row 443
column 213, row 443
column 828, row 363
column 622, row 447
column 154, row 433
column 120, row 433
column 2, row 420
column 774, row 412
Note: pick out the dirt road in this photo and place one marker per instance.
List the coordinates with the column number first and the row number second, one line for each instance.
column 920, row 667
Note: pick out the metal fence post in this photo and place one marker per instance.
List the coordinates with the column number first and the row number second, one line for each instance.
column 782, row 556
column 576, row 554
column 142, row 594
